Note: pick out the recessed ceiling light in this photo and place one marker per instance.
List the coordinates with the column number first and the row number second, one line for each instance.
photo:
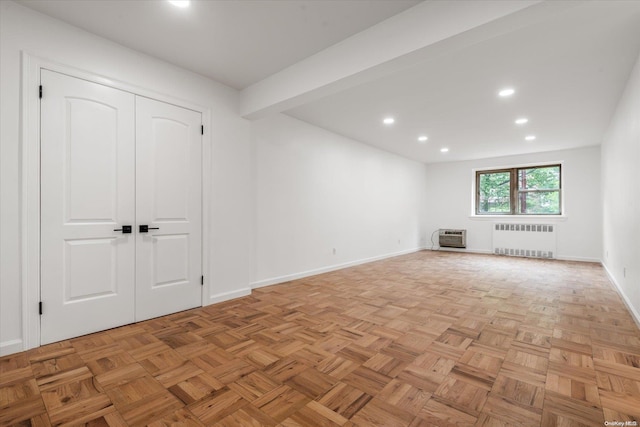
column 180, row 3
column 521, row 121
column 422, row 138
column 530, row 137
column 506, row 92
column 444, row 150
column 389, row 120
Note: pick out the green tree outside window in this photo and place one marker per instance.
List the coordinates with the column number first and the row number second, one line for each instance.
column 519, row 191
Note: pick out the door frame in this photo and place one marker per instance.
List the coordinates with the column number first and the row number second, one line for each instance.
column 30, row 180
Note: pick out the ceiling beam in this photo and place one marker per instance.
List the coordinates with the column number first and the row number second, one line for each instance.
column 422, row 32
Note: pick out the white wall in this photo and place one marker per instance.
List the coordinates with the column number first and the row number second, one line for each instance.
column 231, row 201
column 450, row 187
column 316, row 191
column 621, row 194
column 284, row 193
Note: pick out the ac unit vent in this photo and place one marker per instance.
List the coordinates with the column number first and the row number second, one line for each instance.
column 450, row 238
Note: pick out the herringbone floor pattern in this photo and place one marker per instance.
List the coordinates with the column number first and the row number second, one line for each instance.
column 425, row 339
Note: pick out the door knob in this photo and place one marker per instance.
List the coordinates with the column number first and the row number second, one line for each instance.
column 126, row 229
column 146, row 228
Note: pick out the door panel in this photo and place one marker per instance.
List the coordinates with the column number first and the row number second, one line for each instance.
column 90, row 189
column 87, row 191
column 169, row 201
column 171, row 260
column 171, row 178
column 90, row 270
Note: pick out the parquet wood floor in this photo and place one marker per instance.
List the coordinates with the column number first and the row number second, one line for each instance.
column 426, row 339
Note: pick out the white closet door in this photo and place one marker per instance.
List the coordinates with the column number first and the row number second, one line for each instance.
column 169, row 203
column 87, row 193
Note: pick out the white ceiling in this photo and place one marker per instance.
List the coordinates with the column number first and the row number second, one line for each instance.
column 236, row 42
column 568, row 73
column 568, row 62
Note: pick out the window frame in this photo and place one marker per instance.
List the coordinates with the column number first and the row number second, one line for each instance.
column 514, row 191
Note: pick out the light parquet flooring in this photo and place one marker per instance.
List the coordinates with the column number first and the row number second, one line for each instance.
column 426, row 339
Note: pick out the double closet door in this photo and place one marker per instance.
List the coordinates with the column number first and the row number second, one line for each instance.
column 121, row 207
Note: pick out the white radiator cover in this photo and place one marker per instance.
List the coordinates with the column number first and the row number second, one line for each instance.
column 525, row 240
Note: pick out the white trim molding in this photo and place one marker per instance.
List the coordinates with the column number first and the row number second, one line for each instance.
column 523, row 219
column 316, row 271
column 226, row 296
column 634, row 313
column 489, row 252
column 10, row 347
column 30, row 185
column 30, row 191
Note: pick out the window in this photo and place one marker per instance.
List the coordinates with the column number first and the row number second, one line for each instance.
column 532, row 190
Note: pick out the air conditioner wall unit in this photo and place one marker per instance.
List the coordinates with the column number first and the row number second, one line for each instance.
column 450, row 238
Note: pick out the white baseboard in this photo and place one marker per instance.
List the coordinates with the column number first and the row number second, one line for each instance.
column 303, row 274
column 463, row 250
column 489, row 252
column 630, row 307
column 578, row 259
column 10, row 347
column 226, row 296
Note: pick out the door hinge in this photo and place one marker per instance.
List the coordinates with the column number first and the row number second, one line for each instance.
column 202, row 280
column 40, row 308
column 201, row 128
column 40, row 91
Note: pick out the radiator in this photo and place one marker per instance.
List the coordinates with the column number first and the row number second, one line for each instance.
column 526, row 240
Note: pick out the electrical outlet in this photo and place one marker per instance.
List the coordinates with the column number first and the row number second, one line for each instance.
column 398, row 241
column 624, row 272
column 334, row 251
